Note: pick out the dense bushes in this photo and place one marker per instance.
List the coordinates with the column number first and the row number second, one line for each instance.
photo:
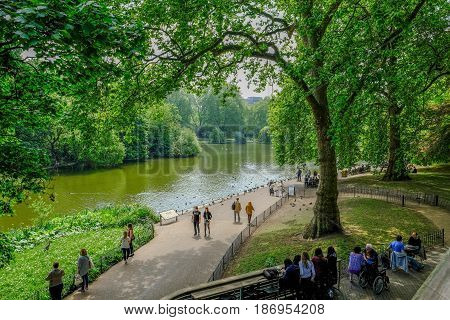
column 264, row 135
column 6, row 250
column 158, row 133
column 86, row 220
column 186, row 144
column 60, row 239
column 217, row 136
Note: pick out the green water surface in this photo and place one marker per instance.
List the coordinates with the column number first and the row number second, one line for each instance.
column 163, row 184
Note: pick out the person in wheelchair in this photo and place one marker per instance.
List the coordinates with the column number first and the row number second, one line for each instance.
column 370, row 273
column 370, row 261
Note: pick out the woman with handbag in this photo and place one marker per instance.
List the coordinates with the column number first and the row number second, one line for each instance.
column 84, row 265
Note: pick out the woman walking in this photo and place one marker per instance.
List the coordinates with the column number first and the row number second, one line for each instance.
column 125, row 246
column 237, row 211
column 84, row 265
column 131, row 236
column 249, row 210
column 207, row 216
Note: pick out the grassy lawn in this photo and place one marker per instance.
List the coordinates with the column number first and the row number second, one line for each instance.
column 24, row 277
column 98, row 231
column 430, row 180
column 364, row 221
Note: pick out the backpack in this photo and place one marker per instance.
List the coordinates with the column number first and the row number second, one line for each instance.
column 233, row 206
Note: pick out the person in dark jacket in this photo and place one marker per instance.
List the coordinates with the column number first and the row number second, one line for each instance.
column 321, row 268
column 414, row 243
column 196, row 221
column 207, row 216
column 332, row 266
column 290, row 279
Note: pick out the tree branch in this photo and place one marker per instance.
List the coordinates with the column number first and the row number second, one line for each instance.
column 436, row 78
column 396, row 33
column 327, row 19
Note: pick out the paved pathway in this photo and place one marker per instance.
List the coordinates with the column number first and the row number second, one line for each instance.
column 175, row 259
column 402, row 285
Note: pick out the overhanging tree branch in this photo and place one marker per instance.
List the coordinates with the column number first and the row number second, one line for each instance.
column 327, row 19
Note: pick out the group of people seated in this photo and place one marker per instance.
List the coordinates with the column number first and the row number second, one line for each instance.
column 311, row 181
column 315, row 277
column 310, row 277
column 276, row 188
column 402, row 257
column 359, row 169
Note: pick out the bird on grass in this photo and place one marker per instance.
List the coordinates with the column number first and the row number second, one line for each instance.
column 47, row 246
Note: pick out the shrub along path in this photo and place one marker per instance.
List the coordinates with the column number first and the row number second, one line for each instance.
column 175, row 259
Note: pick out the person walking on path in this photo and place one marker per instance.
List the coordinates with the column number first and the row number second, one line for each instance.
column 299, row 174
column 237, row 211
column 196, row 221
column 54, row 278
column 125, row 246
column 131, row 236
column 249, row 210
column 84, row 265
column 207, row 216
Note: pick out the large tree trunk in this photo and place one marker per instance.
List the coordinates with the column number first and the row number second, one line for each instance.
column 326, row 212
column 396, row 170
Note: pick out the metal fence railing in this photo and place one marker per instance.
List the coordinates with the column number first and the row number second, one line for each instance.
column 243, row 236
column 397, row 196
column 434, row 238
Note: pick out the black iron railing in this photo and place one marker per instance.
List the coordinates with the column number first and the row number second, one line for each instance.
column 397, row 196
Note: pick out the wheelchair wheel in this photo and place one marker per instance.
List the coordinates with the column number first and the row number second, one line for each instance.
column 378, row 285
column 362, row 280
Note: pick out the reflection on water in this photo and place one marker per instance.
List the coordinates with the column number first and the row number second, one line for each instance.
column 163, row 184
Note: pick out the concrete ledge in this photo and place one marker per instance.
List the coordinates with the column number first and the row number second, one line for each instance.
column 437, row 285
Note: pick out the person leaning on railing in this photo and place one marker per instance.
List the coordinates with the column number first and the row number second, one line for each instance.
column 307, row 274
column 290, row 279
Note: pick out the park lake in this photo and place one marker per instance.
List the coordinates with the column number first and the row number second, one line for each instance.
column 162, row 184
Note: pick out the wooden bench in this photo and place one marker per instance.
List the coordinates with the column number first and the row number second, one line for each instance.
column 167, row 215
